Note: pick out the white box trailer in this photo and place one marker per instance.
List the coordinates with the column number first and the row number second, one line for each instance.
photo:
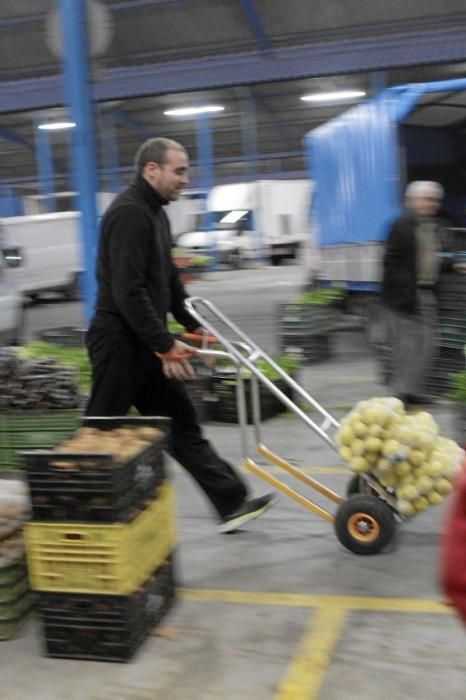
column 264, row 219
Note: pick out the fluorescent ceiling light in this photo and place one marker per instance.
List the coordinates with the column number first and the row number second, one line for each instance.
column 57, row 126
column 233, row 216
column 190, row 111
column 333, row 96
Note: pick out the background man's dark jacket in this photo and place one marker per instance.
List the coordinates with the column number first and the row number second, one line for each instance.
column 399, row 282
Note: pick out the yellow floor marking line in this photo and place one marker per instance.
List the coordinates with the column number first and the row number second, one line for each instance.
column 302, row 600
column 305, row 674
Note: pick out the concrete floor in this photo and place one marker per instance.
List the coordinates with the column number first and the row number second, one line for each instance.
column 281, row 611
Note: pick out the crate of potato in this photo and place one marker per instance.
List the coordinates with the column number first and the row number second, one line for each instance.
column 111, row 559
column 104, row 473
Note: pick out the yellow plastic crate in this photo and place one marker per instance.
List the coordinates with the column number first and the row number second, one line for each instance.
column 112, row 559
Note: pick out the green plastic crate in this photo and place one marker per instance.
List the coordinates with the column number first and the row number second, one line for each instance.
column 33, row 430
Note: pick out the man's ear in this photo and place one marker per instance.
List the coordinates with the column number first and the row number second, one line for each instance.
column 151, row 169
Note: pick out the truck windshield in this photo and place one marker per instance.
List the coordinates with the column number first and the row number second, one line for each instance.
column 233, row 218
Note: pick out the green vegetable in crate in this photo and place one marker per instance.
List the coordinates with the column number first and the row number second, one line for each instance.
column 319, row 296
column 121, row 443
column 69, row 357
column 41, row 384
column 403, row 452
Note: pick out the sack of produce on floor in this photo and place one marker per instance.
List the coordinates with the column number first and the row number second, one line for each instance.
column 403, row 452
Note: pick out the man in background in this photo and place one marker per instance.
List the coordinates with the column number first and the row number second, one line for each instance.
column 411, row 271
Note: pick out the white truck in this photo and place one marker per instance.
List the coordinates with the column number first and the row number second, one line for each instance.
column 266, row 219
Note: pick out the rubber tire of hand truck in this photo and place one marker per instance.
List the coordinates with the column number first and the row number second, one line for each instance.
column 374, row 513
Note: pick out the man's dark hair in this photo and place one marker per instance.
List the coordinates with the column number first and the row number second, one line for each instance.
column 155, row 151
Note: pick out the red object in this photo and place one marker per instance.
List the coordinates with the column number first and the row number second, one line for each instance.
column 453, row 549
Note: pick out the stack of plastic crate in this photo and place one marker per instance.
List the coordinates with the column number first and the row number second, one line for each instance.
column 451, row 334
column 16, row 599
column 304, row 330
column 100, row 546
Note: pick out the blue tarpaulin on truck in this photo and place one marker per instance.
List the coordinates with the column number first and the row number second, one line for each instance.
column 354, row 161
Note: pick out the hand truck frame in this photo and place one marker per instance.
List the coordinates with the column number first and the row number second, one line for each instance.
column 365, row 521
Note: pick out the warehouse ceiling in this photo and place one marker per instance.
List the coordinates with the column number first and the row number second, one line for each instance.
column 254, row 57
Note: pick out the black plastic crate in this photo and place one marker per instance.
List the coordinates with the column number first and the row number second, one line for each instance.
column 306, row 348
column 64, row 336
column 94, row 488
column 198, row 390
column 106, row 628
column 223, row 406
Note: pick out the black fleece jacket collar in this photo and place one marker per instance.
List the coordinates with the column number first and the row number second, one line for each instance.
column 152, row 197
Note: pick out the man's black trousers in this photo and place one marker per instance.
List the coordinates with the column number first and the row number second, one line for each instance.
column 125, row 373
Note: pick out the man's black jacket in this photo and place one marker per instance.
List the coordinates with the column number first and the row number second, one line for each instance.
column 138, row 283
column 399, row 282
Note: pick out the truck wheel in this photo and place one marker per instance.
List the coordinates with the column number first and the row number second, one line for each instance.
column 364, row 524
column 72, row 291
column 276, row 260
column 235, row 260
column 18, row 333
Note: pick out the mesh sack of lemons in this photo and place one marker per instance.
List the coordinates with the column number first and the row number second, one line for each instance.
column 405, row 453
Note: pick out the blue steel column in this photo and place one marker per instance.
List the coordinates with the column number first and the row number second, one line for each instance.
column 44, row 165
column 7, row 201
column 205, row 162
column 110, row 152
column 78, row 98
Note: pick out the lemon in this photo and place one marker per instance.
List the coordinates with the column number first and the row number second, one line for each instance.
column 359, row 465
column 421, row 503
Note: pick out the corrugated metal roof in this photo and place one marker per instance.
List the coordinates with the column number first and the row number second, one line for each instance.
column 176, row 46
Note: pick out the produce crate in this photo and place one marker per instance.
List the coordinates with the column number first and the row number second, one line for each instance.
column 106, row 628
column 16, row 617
column 11, row 573
column 16, row 602
column 448, row 362
column 306, row 348
column 93, row 488
column 65, row 336
column 451, row 334
column 460, row 424
column 305, row 319
column 31, row 430
column 103, row 559
column 223, row 406
column 12, row 592
column 199, row 389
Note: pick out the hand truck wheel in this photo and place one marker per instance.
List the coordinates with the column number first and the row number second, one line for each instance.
column 364, row 524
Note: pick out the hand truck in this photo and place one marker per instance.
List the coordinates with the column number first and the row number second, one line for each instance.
column 365, row 522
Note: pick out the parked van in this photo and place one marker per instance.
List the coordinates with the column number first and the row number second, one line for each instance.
column 50, row 249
